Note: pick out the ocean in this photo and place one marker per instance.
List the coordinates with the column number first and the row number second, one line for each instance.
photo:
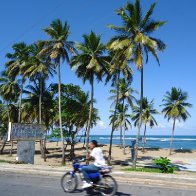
column 179, row 142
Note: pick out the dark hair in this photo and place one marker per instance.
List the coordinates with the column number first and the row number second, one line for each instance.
column 94, row 142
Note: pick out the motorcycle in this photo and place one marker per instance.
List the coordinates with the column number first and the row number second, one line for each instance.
column 103, row 183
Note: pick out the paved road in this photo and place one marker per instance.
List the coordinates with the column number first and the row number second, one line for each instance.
column 33, row 185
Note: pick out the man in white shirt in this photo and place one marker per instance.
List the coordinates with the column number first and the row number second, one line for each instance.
column 97, row 155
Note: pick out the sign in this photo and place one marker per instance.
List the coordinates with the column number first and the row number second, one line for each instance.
column 25, row 132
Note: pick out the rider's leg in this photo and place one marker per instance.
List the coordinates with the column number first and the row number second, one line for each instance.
column 89, row 169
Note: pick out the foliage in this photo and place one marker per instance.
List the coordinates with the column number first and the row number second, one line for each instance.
column 143, row 169
column 165, row 165
column 175, row 104
column 148, row 113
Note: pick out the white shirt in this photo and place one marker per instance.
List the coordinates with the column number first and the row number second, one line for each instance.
column 97, row 154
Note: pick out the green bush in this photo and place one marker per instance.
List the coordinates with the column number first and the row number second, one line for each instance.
column 165, row 165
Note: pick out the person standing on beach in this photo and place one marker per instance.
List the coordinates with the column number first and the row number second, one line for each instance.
column 96, row 154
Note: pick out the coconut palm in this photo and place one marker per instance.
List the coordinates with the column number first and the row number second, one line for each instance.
column 9, row 88
column 90, row 64
column 9, row 92
column 125, row 93
column 175, row 108
column 32, row 105
column 135, row 42
column 118, row 67
column 13, row 67
column 37, row 68
column 57, row 51
column 148, row 113
column 121, row 121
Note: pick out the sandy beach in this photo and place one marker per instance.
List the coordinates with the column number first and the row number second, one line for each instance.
column 184, row 158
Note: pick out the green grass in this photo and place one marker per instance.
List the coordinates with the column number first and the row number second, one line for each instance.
column 143, row 169
column 4, row 161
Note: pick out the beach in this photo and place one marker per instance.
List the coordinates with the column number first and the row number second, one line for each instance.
column 183, row 158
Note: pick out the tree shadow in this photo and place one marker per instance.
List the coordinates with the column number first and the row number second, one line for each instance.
column 152, row 149
column 183, row 151
column 146, row 158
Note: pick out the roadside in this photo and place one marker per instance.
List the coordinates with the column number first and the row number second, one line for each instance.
column 187, row 181
column 26, row 184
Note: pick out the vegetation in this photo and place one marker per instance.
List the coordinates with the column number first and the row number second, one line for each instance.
column 165, row 165
column 27, row 94
column 135, row 43
column 147, row 116
column 143, row 169
column 175, row 108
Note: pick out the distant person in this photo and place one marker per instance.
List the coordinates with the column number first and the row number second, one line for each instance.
column 96, row 154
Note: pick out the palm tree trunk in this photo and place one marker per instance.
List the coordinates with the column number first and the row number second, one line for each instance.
column 40, row 117
column 124, row 145
column 9, row 119
column 172, row 136
column 20, row 103
column 121, row 137
column 3, row 145
column 113, row 127
column 144, row 139
column 60, row 115
column 123, row 127
column 90, row 115
column 140, row 120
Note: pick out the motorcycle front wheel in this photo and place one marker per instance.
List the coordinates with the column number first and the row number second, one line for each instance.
column 107, row 186
column 69, row 182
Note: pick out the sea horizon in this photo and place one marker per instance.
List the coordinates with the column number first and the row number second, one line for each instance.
column 152, row 141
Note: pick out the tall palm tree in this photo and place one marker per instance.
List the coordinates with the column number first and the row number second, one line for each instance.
column 121, row 121
column 125, row 93
column 175, row 108
column 118, row 67
column 37, row 68
column 9, row 92
column 31, row 104
column 13, row 67
column 135, row 42
column 89, row 64
column 57, row 51
column 148, row 113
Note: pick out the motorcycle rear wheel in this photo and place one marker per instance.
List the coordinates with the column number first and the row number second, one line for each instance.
column 108, row 186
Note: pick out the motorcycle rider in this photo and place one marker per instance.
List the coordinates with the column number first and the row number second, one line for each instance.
column 96, row 154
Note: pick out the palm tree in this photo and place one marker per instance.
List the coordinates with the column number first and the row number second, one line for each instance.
column 13, row 67
column 175, row 104
column 125, row 93
column 135, row 42
column 118, row 67
column 121, row 120
column 37, row 68
column 148, row 113
column 57, row 51
column 9, row 92
column 89, row 64
column 32, row 105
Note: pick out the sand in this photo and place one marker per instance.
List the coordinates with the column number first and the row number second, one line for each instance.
column 54, row 155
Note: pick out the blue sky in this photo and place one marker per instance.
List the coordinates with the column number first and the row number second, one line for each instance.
column 23, row 20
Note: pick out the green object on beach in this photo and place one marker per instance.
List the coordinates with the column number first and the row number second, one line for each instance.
column 165, row 165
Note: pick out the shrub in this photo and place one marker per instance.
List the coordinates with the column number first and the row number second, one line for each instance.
column 165, row 165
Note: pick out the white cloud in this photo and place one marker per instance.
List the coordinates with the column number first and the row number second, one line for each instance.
column 101, row 125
